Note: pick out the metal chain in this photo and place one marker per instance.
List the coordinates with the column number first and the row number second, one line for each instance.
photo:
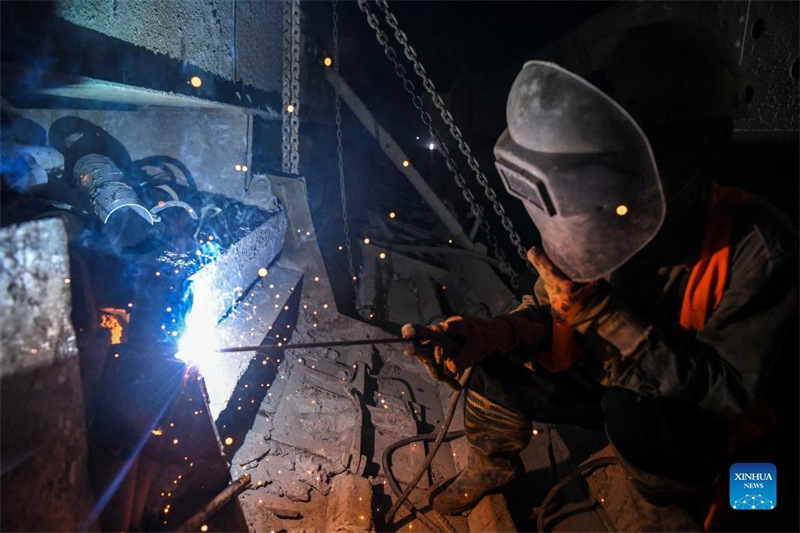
column 290, row 130
column 340, row 154
column 455, row 132
column 408, row 85
column 295, row 118
column 286, row 82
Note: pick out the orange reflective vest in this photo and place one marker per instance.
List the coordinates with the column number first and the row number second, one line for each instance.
column 709, row 275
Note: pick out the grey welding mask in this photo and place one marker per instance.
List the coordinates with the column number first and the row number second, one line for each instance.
column 583, row 169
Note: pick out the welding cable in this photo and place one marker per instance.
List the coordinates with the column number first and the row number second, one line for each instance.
column 600, row 462
column 394, row 485
column 403, row 497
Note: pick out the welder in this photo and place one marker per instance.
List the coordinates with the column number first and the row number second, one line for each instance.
column 663, row 297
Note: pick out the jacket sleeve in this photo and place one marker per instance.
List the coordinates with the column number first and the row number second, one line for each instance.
column 725, row 365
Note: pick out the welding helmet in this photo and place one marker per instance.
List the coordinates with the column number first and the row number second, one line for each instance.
column 583, row 169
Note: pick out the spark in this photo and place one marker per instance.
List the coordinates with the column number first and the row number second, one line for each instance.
column 67, row 281
column 238, row 167
column 290, row 108
column 392, row 214
column 262, row 272
column 196, row 82
column 366, row 240
column 406, row 163
column 228, row 441
column 622, row 210
column 382, row 255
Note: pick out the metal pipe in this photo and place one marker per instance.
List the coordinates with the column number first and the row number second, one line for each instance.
column 398, row 157
column 232, row 491
column 103, row 180
column 475, row 227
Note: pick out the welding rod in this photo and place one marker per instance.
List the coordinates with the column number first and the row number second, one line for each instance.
column 321, row 344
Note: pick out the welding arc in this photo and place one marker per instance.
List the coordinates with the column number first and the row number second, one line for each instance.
column 321, row 344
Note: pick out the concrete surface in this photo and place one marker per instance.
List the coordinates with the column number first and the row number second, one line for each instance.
column 35, row 302
column 349, row 509
column 199, row 32
column 259, row 43
column 45, row 482
column 491, row 515
column 238, row 40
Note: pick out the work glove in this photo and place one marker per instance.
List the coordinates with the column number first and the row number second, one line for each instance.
column 586, row 307
column 574, row 304
column 447, row 349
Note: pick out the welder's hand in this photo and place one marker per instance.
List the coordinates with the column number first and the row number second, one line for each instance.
column 449, row 348
column 431, row 347
column 571, row 302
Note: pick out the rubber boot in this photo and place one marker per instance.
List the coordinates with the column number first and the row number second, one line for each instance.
column 496, row 436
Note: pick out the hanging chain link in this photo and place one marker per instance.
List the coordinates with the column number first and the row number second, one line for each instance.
column 455, row 131
column 408, row 85
column 340, row 155
column 295, row 118
column 286, row 88
column 290, row 129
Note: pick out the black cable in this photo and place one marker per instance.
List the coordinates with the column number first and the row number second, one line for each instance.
column 581, row 470
column 437, row 443
column 395, row 486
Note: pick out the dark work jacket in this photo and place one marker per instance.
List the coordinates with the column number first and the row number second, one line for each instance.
column 729, row 362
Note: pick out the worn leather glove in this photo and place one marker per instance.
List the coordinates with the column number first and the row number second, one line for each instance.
column 575, row 304
column 449, row 348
